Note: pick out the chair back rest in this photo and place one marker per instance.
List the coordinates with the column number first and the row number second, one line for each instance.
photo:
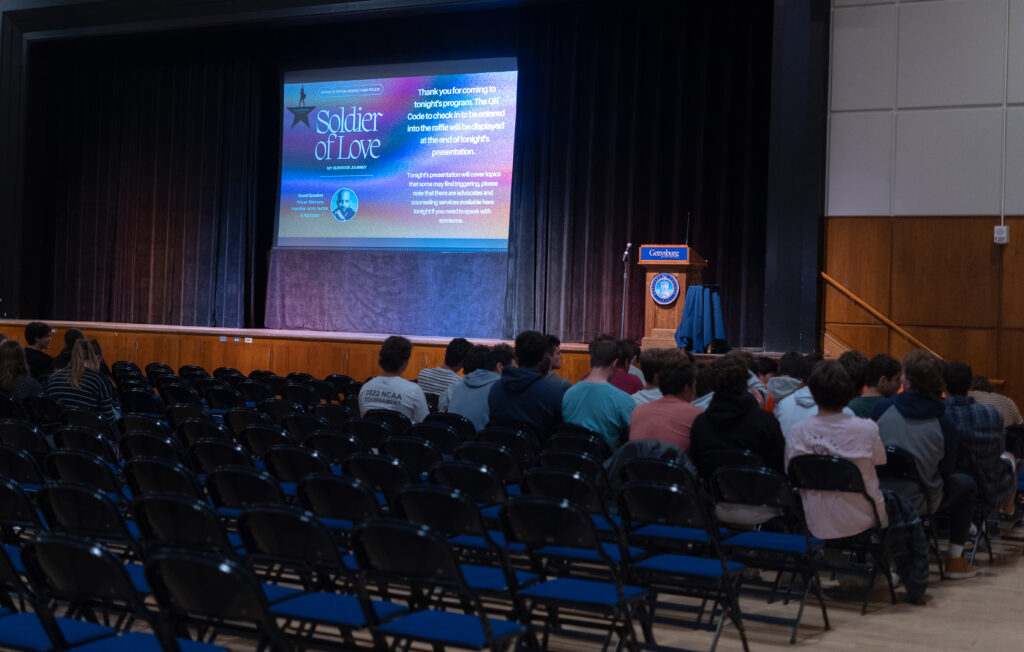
column 334, row 446
column 82, row 468
column 284, row 533
column 398, row 421
column 16, row 508
column 575, row 462
column 463, row 427
column 539, row 522
column 334, row 414
column 85, row 439
column 173, row 520
column 371, row 432
column 495, row 457
column 291, row 463
column 261, row 437
column 77, row 569
column 515, row 440
column 192, row 430
column 83, row 510
column 825, row 473
column 651, row 469
column 238, row 487
column 236, row 419
column 25, row 436
column 899, row 465
column 560, row 484
column 87, row 419
column 446, row 510
column 404, row 551
column 148, row 424
column 418, row 455
column 333, row 496
column 441, row 435
column 384, row 473
column 207, row 455
column 712, row 459
column 17, row 465
column 141, row 444
column 301, row 425
column 147, row 474
column 476, row 481
column 664, row 504
column 748, row 485
column 595, row 447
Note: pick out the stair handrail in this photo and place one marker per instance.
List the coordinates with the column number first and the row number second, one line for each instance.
column 877, row 315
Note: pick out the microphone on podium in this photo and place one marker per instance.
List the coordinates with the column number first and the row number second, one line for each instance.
column 625, row 254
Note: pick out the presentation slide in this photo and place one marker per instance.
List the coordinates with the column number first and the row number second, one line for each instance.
column 415, row 156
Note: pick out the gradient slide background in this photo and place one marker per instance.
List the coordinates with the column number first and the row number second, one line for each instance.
column 441, row 178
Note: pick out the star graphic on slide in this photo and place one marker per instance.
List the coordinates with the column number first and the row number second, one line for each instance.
column 300, row 114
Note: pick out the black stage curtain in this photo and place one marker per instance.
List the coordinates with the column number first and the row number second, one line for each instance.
column 152, row 162
column 143, row 178
column 630, row 120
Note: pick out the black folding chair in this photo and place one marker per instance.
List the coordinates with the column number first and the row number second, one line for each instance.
column 334, row 446
column 261, row 437
column 418, row 455
column 398, row 421
column 795, row 552
column 44, row 411
column 87, row 440
column 441, row 435
column 18, row 466
column 371, row 432
column 463, row 426
column 655, row 514
column 339, row 501
column 146, row 475
column 558, row 536
column 334, row 415
column 829, row 473
column 27, row 437
column 385, row 474
column 233, row 488
column 89, row 512
column 476, row 481
column 300, row 425
column 278, row 408
column 399, row 552
column 594, row 446
column 192, row 430
column 136, row 444
column 900, row 474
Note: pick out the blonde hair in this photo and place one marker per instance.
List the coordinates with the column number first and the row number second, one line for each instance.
column 84, row 352
column 12, row 363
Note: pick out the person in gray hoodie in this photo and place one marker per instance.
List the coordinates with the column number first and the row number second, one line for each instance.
column 483, row 366
column 793, row 368
column 800, row 404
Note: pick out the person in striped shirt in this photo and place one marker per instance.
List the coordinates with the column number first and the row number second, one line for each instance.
column 80, row 386
column 437, row 379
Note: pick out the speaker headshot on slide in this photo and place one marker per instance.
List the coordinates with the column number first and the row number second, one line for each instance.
column 344, row 205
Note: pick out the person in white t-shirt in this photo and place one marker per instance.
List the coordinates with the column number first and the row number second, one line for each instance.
column 389, row 391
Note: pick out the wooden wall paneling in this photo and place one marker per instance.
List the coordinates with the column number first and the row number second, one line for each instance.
column 192, row 350
column 858, row 254
column 254, row 355
column 575, row 365
column 868, row 339
column 1013, row 275
column 945, row 272
column 975, row 346
column 1011, row 363
column 154, row 347
column 362, row 360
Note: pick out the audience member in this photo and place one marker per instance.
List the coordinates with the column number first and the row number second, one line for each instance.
column 796, row 407
column 622, row 379
column 833, row 514
column 14, row 376
column 983, row 392
column 767, row 369
column 651, row 362
column 631, row 354
column 521, row 396
column 79, row 385
column 594, row 402
column 555, row 357
column 982, row 441
column 793, row 368
column 703, row 394
column 734, row 420
column 37, row 340
column 483, row 367
column 916, row 421
column 754, row 384
column 63, row 358
column 389, row 391
column 856, row 364
column 669, row 418
column 435, row 380
column 882, row 377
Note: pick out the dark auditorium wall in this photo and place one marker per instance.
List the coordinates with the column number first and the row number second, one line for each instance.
column 151, row 165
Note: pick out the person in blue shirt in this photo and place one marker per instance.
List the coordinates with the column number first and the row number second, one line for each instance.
column 596, row 404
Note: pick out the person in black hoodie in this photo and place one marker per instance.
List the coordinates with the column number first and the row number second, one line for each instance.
column 733, row 419
column 521, row 396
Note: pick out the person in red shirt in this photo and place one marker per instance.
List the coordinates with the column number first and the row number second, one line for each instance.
column 669, row 418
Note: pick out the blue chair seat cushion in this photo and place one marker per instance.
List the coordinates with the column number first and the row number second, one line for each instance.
column 336, row 523
column 276, row 593
column 490, row 512
column 588, row 554
column 332, row 608
column 687, row 565
column 14, row 552
column 491, row 578
column 140, row 642
column 571, row 590
column 449, row 628
column 773, row 541
column 136, row 573
column 26, row 632
column 606, row 523
column 675, row 532
column 471, row 541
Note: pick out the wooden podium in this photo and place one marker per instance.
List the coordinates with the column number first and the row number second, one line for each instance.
column 662, row 319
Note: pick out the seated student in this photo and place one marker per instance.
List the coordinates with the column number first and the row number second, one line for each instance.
column 734, row 420
column 882, row 377
column 916, row 421
column 37, row 340
column 789, row 376
column 63, row 358
column 670, row 418
column 594, row 402
column 621, row 379
column 555, row 357
column 14, row 376
column 79, row 385
column 702, row 392
column 754, row 384
column 856, row 364
column 631, row 355
column 437, row 379
column 483, row 367
column 982, row 440
column 389, row 391
column 651, row 362
column 831, row 514
column 521, row 396
column 983, row 392
column 796, row 407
